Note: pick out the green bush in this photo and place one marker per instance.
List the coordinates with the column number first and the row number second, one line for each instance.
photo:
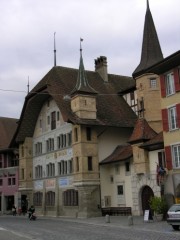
column 158, row 205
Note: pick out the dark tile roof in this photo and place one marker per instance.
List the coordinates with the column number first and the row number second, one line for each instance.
column 121, row 153
column 142, row 132
column 155, row 143
column 166, row 64
column 112, row 110
column 7, row 129
column 151, row 50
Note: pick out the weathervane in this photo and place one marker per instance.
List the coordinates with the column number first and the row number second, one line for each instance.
column 54, row 50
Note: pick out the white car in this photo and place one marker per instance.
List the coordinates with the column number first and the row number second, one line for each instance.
column 173, row 216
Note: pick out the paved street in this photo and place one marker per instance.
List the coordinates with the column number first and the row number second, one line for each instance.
column 20, row 228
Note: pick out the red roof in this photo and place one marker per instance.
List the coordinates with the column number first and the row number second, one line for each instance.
column 142, row 132
column 121, row 153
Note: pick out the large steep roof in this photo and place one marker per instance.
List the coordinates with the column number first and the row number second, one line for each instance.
column 58, row 83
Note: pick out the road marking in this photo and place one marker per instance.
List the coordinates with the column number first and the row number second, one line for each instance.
column 2, row 229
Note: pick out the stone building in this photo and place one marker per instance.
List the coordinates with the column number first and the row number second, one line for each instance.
column 71, row 120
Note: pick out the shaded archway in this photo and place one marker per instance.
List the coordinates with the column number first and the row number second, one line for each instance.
column 147, row 193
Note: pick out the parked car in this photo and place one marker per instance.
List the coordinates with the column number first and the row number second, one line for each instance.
column 173, row 216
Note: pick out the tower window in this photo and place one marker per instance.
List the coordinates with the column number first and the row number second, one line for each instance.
column 75, row 134
column 88, row 133
column 153, row 83
column 90, row 167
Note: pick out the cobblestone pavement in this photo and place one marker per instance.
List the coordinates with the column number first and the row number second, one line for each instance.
column 62, row 228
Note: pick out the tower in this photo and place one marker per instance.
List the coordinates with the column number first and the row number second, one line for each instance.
column 84, row 144
column 148, row 84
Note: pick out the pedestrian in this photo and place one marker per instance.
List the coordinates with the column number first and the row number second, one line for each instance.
column 14, row 210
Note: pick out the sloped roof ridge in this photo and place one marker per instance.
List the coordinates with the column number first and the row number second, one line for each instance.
column 142, row 131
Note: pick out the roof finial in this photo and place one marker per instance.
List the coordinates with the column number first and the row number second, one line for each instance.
column 81, row 45
column 28, row 85
column 54, row 50
column 147, row 4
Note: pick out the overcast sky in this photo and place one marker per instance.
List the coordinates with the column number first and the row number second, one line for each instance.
column 111, row 28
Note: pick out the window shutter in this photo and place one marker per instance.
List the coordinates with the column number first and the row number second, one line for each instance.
column 168, row 157
column 178, row 114
column 177, row 79
column 163, row 87
column 165, row 120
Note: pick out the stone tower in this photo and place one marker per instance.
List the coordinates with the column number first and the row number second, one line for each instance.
column 84, row 143
column 148, row 84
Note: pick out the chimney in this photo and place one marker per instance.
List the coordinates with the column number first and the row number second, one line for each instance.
column 101, row 67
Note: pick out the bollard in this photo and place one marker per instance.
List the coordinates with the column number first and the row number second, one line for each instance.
column 130, row 220
column 107, row 218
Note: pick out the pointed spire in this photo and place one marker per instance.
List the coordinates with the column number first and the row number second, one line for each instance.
column 54, row 50
column 151, row 50
column 147, row 4
column 82, row 85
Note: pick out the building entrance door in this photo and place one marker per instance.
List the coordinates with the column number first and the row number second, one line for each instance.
column 147, row 193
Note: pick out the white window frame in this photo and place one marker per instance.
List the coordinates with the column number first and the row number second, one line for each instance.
column 170, row 86
column 172, row 117
column 176, row 155
column 153, row 83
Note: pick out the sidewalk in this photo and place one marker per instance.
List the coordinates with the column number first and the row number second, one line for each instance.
column 124, row 221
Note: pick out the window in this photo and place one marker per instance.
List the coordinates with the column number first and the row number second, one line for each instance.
column 120, row 190
column 75, row 134
column 40, row 123
column 161, row 160
column 69, row 136
column 176, row 155
column 1, row 161
column 38, row 198
column 50, row 144
column 50, row 198
column 90, row 167
column 153, row 83
column 141, row 107
column 77, row 164
column 70, row 197
column 170, row 89
column 11, row 180
column 22, row 173
column 50, row 169
column 1, row 181
column 88, row 134
column 48, row 120
column 58, row 116
column 127, row 166
column 38, row 148
column 38, row 172
column 70, row 166
column 172, row 118
column 53, row 120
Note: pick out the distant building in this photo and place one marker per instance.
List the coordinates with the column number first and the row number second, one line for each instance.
column 9, row 162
